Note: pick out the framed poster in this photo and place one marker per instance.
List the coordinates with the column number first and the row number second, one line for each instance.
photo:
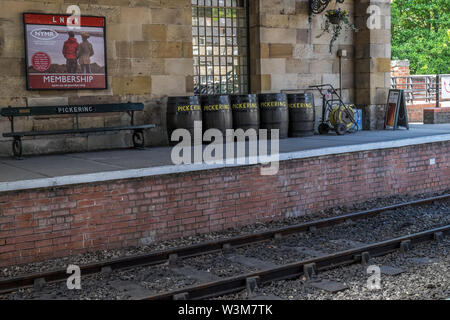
column 396, row 114
column 62, row 57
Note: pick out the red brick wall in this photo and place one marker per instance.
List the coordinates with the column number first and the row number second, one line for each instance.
column 415, row 112
column 45, row 223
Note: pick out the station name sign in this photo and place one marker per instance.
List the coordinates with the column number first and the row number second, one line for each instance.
column 78, row 109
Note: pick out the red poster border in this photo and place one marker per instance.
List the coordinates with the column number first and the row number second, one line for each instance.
column 86, row 21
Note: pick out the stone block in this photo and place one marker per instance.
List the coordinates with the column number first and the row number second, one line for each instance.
column 264, row 51
column 362, row 80
column 280, row 50
column 166, row 85
column 274, row 21
column 121, row 66
column 298, row 21
column 278, row 35
column 156, row 32
column 331, row 78
column 131, row 85
column 124, row 32
column 167, row 50
column 273, row 66
column 179, row 33
column 135, row 15
column 303, row 51
column 186, row 50
column 436, row 115
column 302, row 36
column 74, row 100
column 179, row 67
column 50, row 101
column 141, row 49
column 167, row 16
column 284, row 82
column 266, row 82
column 297, row 66
column 12, row 66
column 52, row 123
column 383, row 64
column 321, row 66
column 306, row 80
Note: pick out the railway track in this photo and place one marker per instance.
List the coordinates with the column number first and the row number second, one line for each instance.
column 160, row 257
column 307, row 268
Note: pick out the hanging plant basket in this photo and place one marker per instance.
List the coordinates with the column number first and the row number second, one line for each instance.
column 335, row 21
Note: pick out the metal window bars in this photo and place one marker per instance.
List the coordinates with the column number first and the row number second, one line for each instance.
column 419, row 88
column 220, row 46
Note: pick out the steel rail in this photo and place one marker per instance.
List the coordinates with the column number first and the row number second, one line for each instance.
column 297, row 269
column 162, row 256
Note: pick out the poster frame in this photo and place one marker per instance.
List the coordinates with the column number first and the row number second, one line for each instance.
column 397, row 109
column 26, row 52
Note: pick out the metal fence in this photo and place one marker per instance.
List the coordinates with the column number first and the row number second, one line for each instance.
column 419, row 88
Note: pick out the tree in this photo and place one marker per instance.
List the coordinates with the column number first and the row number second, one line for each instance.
column 421, row 34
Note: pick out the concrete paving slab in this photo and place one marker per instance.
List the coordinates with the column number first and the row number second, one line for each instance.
column 61, row 165
column 74, row 168
column 10, row 173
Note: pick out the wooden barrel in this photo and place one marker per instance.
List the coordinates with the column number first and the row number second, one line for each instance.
column 217, row 113
column 181, row 114
column 301, row 114
column 274, row 113
column 245, row 111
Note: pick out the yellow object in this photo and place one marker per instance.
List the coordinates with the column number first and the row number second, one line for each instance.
column 342, row 114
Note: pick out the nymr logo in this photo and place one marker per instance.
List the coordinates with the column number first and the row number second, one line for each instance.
column 44, row 34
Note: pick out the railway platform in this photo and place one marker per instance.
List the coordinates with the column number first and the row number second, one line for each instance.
column 57, row 205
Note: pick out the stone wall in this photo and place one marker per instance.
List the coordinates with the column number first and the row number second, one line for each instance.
column 149, row 56
column 289, row 54
column 372, row 59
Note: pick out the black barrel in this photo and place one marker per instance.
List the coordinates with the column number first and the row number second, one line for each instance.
column 274, row 113
column 301, row 114
column 181, row 114
column 245, row 111
column 217, row 113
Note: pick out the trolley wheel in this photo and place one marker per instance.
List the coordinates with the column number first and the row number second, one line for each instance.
column 341, row 129
column 324, row 128
column 17, row 148
column 138, row 139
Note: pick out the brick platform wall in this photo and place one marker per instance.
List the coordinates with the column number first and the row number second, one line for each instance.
column 46, row 223
column 436, row 115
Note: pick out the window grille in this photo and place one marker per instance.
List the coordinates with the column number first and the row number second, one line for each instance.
column 220, row 46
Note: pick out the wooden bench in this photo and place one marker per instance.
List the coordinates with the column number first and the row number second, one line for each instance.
column 130, row 108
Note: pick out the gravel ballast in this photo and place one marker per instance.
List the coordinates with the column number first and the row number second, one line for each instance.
column 144, row 281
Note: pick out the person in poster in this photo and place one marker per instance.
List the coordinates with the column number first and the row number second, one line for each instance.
column 69, row 51
column 84, row 53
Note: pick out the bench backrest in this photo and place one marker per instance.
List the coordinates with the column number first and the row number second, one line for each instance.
column 76, row 109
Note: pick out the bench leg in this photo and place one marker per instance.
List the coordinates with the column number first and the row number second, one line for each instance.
column 17, row 147
column 138, row 139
